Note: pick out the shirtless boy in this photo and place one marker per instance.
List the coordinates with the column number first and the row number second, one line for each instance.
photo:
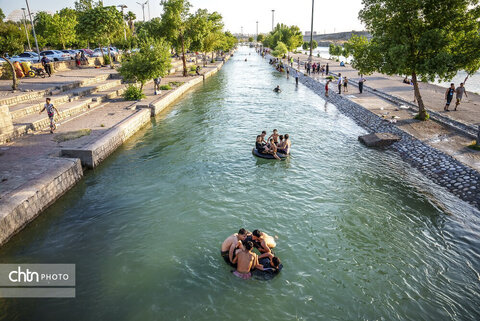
column 274, row 136
column 265, row 242
column 246, row 261
column 232, row 242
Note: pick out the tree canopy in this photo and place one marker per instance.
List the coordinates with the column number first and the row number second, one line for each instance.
column 422, row 38
column 291, row 36
column 11, row 43
column 153, row 60
column 306, row 45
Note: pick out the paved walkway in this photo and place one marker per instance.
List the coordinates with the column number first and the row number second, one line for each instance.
column 433, row 133
column 433, row 95
column 33, row 155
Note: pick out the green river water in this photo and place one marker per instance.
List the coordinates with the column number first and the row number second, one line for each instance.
column 362, row 236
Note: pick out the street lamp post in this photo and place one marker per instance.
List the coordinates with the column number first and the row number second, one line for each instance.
column 257, row 32
column 311, row 35
column 25, row 25
column 143, row 8
column 122, row 6
column 273, row 19
column 33, row 29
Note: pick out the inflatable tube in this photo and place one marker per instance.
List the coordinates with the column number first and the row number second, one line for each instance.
column 269, row 273
column 267, row 156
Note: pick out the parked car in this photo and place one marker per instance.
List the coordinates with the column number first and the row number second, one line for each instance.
column 68, row 53
column 87, row 52
column 97, row 52
column 55, row 55
column 26, row 56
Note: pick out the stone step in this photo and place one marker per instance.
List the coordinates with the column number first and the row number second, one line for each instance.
column 54, row 90
column 36, row 122
column 21, row 110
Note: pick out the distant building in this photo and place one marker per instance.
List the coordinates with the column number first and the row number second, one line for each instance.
column 17, row 15
column 307, row 33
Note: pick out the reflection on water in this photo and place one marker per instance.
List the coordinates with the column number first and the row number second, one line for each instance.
column 361, row 234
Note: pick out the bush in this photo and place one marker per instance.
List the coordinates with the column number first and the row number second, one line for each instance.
column 427, row 117
column 175, row 83
column 330, row 77
column 165, row 87
column 133, row 93
column 106, row 59
column 193, row 68
column 474, row 145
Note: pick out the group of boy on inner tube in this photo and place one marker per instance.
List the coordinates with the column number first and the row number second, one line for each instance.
column 237, row 251
column 275, row 144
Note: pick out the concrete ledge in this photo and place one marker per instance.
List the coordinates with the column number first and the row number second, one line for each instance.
column 94, row 153
column 25, row 203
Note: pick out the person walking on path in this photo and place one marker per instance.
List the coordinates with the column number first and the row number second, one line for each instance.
column 288, row 72
column 339, row 83
column 51, row 113
column 345, row 85
column 449, row 96
column 460, row 91
column 361, row 81
column 296, row 77
column 327, row 69
column 46, row 65
column 326, row 87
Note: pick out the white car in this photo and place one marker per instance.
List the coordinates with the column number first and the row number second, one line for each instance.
column 55, row 55
column 26, row 56
column 98, row 53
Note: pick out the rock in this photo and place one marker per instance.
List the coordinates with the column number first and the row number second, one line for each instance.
column 379, row 139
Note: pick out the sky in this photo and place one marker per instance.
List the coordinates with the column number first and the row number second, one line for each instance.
column 329, row 16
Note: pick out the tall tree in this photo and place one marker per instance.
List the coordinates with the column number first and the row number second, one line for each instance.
column 61, row 28
column 130, row 17
column 11, row 43
column 174, row 25
column 2, row 15
column 291, row 36
column 101, row 24
column 422, row 38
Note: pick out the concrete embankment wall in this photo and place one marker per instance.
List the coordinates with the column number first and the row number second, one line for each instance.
column 441, row 168
column 19, row 208
column 22, row 205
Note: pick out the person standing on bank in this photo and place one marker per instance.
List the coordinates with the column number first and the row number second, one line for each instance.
column 46, row 65
column 296, row 77
column 50, row 112
column 460, row 91
column 449, row 96
column 345, row 84
column 327, row 70
column 361, row 81
column 340, row 83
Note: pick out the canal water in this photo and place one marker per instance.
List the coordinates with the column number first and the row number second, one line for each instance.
column 362, row 236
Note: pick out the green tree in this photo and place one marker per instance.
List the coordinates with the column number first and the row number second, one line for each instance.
column 130, row 17
column 42, row 21
column 174, row 25
column 335, row 50
column 149, row 29
column 291, row 36
column 280, row 50
column 84, row 5
column 250, row 39
column 101, row 25
column 11, row 43
column 61, row 28
column 260, row 38
column 2, row 15
column 306, row 45
column 422, row 38
column 153, row 60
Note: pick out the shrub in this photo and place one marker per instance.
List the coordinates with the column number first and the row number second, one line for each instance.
column 133, row 93
column 417, row 116
column 474, row 145
column 165, row 87
column 330, row 77
column 175, row 83
column 193, row 68
column 106, row 59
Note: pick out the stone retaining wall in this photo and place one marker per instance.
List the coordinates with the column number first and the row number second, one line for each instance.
column 22, row 205
column 442, row 169
column 93, row 154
